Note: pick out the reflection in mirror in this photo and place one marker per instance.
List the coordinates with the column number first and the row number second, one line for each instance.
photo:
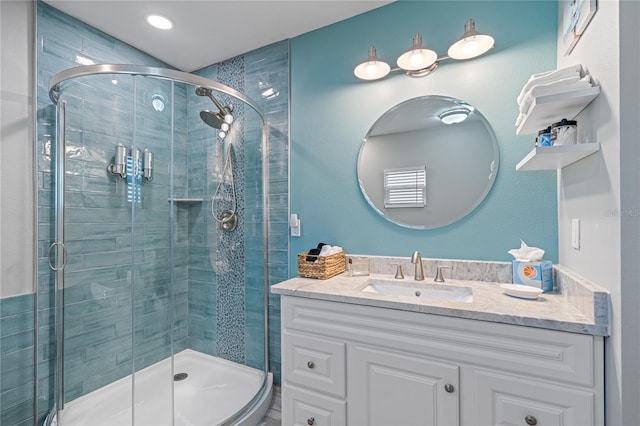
column 428, row 162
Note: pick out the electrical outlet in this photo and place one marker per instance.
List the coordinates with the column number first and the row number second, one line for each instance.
column 575, row 233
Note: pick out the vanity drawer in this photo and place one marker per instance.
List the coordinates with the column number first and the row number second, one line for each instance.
column 302, row 408
column 314, row 362
column 512, row 400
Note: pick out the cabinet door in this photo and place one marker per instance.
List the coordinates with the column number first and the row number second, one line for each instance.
column 512, row 400
column 304, row 408
column 391, row 388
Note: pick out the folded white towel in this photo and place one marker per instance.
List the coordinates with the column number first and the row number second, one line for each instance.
column 548, row 77
column 561, row 86
column 328, row 250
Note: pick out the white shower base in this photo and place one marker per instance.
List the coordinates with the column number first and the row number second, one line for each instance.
column 214, row 390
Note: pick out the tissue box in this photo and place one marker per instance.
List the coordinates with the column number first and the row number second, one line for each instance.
column 534, row 274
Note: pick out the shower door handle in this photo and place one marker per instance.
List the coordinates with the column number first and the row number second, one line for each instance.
column 64, row 256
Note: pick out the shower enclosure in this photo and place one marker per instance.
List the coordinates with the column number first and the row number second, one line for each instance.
column 160, row 304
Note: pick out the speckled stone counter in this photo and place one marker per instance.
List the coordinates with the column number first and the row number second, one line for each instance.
column 583, row 308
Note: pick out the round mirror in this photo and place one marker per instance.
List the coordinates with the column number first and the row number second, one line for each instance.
column 428, row 162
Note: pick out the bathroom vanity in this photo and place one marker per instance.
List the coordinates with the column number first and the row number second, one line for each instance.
column 360, row 358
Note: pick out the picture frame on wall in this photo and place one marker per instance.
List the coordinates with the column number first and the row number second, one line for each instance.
column 576, row 15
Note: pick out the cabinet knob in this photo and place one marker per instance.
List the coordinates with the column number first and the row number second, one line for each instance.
column 449, row 388
column 310, row 364
column 531, row 421
column 311, row 421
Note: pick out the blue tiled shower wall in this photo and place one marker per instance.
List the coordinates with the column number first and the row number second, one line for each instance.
column 115, row 244
column 16, row 368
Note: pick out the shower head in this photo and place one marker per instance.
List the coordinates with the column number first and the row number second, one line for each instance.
column 212, row 118
column 217, row 120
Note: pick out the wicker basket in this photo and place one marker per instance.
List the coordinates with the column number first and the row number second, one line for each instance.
column 325, row 267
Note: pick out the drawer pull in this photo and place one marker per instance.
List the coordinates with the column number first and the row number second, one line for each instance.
column 531, row 421
column 449, row 388
column 310, row 364
column 311, row 421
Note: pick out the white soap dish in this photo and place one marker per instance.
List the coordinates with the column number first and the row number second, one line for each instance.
column 521, row 291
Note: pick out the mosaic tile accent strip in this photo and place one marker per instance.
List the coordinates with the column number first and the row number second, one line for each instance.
column 230, row 247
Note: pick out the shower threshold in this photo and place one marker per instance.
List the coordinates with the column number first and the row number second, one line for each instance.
column 213, row 391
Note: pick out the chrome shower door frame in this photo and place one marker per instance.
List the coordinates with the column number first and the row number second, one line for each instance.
column 58, row 251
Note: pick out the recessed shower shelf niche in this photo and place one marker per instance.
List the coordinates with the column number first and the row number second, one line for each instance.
column 556, row 157
column 548, row 109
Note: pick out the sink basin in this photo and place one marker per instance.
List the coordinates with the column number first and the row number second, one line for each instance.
column 419, row 290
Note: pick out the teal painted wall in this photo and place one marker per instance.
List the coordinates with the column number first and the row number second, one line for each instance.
column 331, row 111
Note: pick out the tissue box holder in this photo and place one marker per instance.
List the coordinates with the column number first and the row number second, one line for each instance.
column 534, row 274
column 326, row 266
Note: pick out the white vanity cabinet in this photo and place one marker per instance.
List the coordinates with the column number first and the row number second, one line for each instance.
column 346, row 364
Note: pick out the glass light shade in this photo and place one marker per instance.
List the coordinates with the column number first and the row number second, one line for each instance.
column 157, row 101
column 471, row 44
column 418, row 57
column 372, row 68
column 454, row 116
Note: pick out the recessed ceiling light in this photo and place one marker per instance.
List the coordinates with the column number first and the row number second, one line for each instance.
column 160, row 22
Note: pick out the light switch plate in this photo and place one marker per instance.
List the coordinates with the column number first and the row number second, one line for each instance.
column 575, row 233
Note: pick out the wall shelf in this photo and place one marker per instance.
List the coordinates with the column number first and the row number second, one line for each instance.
column 556, row 157
column 547, row 109
column 185, row 200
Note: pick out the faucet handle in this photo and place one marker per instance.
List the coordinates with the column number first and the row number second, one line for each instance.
column 439, row 278
column 399, row 273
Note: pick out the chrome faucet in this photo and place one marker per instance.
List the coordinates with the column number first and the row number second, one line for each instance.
column 418, row 275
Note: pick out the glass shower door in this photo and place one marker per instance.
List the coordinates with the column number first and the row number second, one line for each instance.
column 113, row 253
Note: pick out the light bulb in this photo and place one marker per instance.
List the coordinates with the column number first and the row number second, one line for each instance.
column 470, row 47
column 228, row 118
column 417, row 59
column 372, row 69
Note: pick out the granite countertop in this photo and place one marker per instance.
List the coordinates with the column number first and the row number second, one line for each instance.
column 551, row 311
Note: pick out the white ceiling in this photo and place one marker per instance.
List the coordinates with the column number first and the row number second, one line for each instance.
column 208, row 32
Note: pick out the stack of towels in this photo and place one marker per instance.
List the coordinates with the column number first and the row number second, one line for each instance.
column 549, row 83
column 322, row 250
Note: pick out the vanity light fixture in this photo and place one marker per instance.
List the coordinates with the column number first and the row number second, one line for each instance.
column 372, row 68
column 160, row 22
column 420, row 61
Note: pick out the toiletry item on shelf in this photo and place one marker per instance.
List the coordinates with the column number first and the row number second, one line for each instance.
column 358, row 266
column 529, row 268
column 564, row 132
column 544, row 137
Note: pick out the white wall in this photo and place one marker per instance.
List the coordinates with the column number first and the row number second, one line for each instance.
column 16, row 148
column 602, row 190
